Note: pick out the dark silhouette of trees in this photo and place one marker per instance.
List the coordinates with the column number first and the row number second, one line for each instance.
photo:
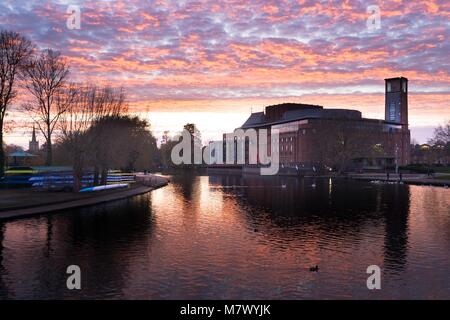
column 196, row 143
column 108, row 102
column 88, row 106
column 73, row 124
column 91, row 123
column 436, row 151
column 122, row 142
column 441, row 134
column 165, row 153
column 15, row 51
column 337, row 144
column 97, row 134
column 441, row 141
column 47, row 83
column 9, row 148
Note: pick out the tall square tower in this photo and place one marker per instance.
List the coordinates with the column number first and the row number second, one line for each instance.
column 397, row 100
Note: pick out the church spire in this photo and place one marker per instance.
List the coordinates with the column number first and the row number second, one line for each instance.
column 34, row 144
column 33, row 138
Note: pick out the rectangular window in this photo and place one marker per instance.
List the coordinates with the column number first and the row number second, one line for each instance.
column 392, row 113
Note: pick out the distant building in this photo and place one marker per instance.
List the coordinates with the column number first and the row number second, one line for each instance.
column 19, row 158
column 312, row 136
column 33, row 144
column 426, row 154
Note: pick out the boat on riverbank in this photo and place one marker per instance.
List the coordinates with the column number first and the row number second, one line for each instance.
column 103, row 188
column 29, row 202
column 57, row 178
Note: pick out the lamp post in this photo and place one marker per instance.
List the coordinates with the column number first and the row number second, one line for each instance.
column 396, row 158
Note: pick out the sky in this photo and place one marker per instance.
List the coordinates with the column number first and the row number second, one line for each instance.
column 213, row 62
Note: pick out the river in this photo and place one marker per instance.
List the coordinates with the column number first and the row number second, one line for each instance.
column 233, row 237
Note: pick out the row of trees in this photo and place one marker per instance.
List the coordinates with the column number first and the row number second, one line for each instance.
column 168, row 143
column 103, row 143
column 436, row 151
column 46, row 80
column 43, row 74
column 441, row 135
column 15, row 55
column 91, row 123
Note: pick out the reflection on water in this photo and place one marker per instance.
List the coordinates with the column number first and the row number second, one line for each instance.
column 228, row 237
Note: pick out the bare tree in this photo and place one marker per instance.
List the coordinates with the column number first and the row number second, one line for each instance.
column 86, row 145
column 441, row 134
column 73, row 124
column 15, row 50
column 338, row 144
column 109, row 103
column 48, row 85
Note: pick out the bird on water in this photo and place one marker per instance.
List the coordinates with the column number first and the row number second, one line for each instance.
column 314, row 269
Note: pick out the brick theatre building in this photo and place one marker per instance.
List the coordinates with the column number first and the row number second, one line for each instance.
column 312, row 136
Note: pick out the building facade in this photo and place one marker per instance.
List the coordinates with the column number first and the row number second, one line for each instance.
column 311, row 136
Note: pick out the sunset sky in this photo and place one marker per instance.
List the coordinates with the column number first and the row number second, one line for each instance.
column 212, row 62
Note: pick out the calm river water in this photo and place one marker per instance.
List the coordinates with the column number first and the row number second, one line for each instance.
column 238, row 238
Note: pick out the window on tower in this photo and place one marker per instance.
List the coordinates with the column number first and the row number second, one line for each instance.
column 392, row 112
column 389, row 87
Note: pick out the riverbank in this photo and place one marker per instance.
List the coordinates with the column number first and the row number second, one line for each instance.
column 439, row 180
column 25, row 202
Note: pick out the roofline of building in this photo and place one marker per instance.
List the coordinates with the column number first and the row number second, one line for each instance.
column 309, row 106
column 320, row 118
column 396, row 78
